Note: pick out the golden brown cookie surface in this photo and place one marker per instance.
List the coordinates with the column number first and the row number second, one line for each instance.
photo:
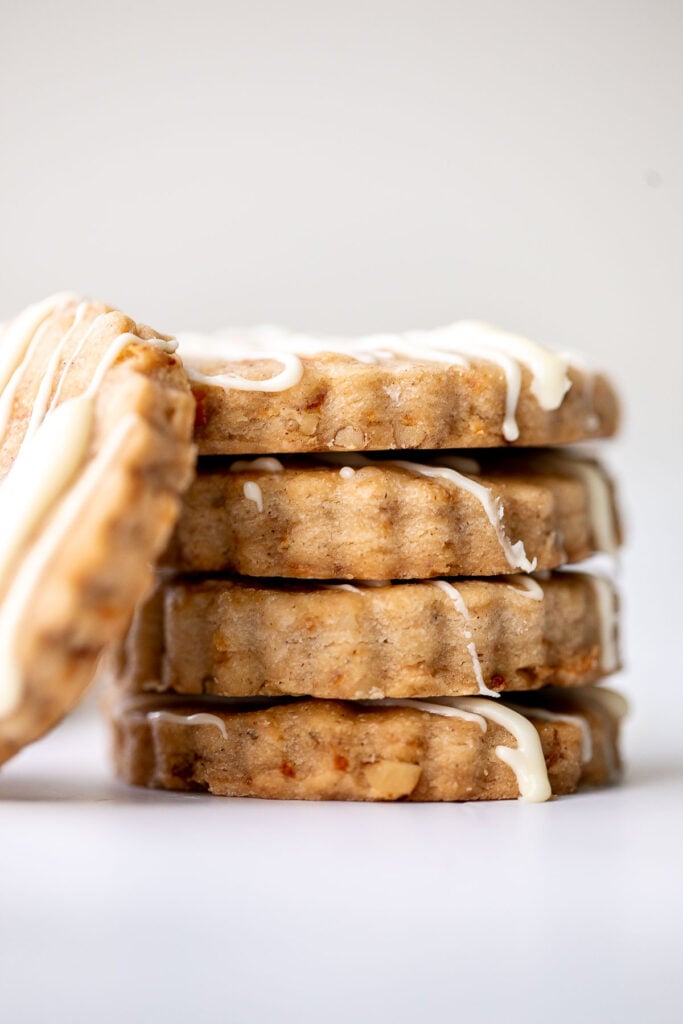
column 381, row 518
column 240, row 638
column 464, row 386
column 461, row 749
column 96, row 420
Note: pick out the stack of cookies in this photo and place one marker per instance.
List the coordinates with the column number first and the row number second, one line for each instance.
column 361, row 599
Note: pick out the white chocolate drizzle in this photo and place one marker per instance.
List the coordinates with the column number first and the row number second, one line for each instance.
column 35, row 492
column 451, row 469
column 528, row 587
column 264, row 464
column 205, row 357
column 18, row 343
column 458, row 601
column 349, row 587
column 549, row 383
column 606, row 598
column 11, row 388
column 556, row 716
column 600, row 503
column 429, row 707
column 42, row 469
column 252, row 492
column 199, row 718
column 577, row 359
column 610, row 701
column 610, row 707
column 19, row 333
column 526, row 759
column 42, row 398
column 515, row 554
column 17, row 602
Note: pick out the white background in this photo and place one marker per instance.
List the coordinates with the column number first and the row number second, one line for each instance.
column 350, row 167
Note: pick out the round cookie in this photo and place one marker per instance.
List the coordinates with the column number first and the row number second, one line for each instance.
column 354, row 517
column 242, row 638
column 466, row 748
column 96, row 421
column 463, row 386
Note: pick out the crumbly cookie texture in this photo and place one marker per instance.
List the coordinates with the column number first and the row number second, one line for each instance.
column 331, row 750
column 341, row 404
column 237, row 638
column 382, row 521
column 72, row 583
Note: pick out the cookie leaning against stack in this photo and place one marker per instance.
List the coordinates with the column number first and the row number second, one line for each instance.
column 303, row 641
column 96, row 422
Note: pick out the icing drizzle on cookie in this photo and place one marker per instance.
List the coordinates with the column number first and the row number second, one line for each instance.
column 445, row 468
column 252, row 492
column 515, row 554
column 528, row 587
column 526, row 759
column 606, row 599
column 458, row 601
column 199, row 718
column 609, row 707
column 600, row 502
column 348, row 587
column 18, row 340
column 265, row 464
column 35, row 492
column 206, row 356
column 555, row 716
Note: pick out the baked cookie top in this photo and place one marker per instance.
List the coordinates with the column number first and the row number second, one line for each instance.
column 464, row 386
column 96, row 422
column 377, row 518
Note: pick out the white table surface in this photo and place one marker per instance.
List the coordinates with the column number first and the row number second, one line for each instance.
column 124, row 905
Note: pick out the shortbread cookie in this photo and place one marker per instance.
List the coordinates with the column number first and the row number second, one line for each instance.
column 235, row 638
column 385, row 519
column 96, row 420
column 464, row 386
column 462, row 748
